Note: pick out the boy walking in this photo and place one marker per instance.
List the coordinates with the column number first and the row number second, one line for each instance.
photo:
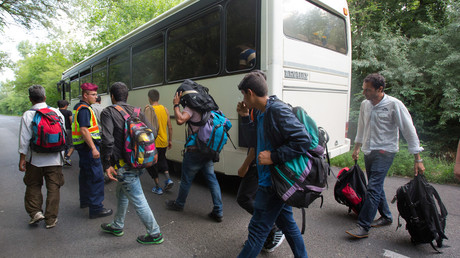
column 129, row 188
column 163, row 141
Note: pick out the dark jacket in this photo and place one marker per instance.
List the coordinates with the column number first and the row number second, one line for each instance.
column 113, row 127
column 286, row 134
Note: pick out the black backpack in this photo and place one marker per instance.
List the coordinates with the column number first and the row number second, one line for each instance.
column 425, row 214
column 350, row 188
column 196, row 97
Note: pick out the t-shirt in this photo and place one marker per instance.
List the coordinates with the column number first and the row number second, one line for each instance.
column 262, row 145
column 67, row 115
column 195, row 116
column 162, row 139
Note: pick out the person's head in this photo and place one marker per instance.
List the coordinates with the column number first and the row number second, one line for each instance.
column 37, row 94
column 89, row 92
column 119, row 92
column 62, row 104
column 373, row 87
column 154, row 96
column 98, row 99
column 253, row 85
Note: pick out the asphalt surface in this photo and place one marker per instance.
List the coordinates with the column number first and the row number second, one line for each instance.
column 191, row 233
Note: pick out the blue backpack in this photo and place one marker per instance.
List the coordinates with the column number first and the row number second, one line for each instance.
column 212, row 134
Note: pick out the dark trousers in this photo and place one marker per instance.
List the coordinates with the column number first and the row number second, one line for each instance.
column 91, row 180
column 33, row 200
column 160, row 166
column 248, row 189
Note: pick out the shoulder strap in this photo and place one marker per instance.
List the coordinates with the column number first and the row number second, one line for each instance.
column 122, row 111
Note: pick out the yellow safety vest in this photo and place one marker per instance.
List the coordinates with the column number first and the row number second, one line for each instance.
column 77, row 137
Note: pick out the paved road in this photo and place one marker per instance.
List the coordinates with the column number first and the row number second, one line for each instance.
column 190, row 233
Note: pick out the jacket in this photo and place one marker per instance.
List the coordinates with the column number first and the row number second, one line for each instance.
column 113, row 127
column 283, row 130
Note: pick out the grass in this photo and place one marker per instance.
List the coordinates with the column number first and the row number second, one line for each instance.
column 436, row 170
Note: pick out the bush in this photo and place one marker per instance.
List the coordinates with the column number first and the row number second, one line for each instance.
column 437, row 170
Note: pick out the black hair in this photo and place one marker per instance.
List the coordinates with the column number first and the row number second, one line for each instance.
column 377, row 80
column 119, row 91
column 256, row 81
column 154, row 95
column 62, row 103
column 98, row 99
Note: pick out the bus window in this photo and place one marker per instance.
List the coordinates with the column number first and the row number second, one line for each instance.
column 193, row 48
column 148, row 62
column 100, row 76
column 119, row 68
column 241, row 18
column 307, row 22
column 74, row 87
column 85, row 76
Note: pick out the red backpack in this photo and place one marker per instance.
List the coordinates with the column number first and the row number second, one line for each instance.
column 48, row 134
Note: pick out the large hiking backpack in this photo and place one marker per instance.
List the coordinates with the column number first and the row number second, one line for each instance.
column 212, row 134
column 48, row 134
column 350, row 188
column 425, row 214
column 196, row 97
column 301, row 180
column 139, row 140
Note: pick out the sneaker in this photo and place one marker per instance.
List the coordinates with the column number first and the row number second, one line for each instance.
column 168, row 184
column 150, row 239
column 36, row 218
column 157, row 190
column 108, row 228
column 52, row 225
column 172, row 205
column 273, row 242
column 382, row 221
column 67, row 161
column 216, row 217
column 359, row 232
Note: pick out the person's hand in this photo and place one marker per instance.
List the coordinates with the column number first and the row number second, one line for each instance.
column 169, row 145
column 95, row 153
column 155, row 158
column 111, row 173
column 242, row 109
column 355, row 154
column 177, row 97
column 265, row 158
column 22, row 165
column 419, row 168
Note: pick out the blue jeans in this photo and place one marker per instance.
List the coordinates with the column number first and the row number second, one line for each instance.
column 91, row 181
column 129, row 189
column 192, row 163
column 269, row 209
column 377, row 165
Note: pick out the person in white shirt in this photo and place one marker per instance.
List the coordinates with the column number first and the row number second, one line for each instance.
column 38, row 165
column 381, row 118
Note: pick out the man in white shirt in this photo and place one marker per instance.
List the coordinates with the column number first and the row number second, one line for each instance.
column 381, row 118
column 39, row 165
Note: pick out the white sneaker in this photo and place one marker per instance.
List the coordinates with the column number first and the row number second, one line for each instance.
column 271, row 245
column 37, row 218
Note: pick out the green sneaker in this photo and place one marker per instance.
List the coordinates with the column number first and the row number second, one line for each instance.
column 150, row 239
column 108, row 228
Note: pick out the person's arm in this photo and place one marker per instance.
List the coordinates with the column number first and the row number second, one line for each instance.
column 22, row 162
column 89, row 140
column 457, row 163
column 419, row 168
column 181, row 117
column 25, row 134
column 170, row 130
column 247, row 162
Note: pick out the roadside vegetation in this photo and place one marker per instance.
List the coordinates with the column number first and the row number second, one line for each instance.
column 438, row 170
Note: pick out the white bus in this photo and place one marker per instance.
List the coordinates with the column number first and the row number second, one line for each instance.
column 304, row 47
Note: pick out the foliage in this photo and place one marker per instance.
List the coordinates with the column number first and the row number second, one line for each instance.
column 437, row 170
column 414, row 44
column 41, row 65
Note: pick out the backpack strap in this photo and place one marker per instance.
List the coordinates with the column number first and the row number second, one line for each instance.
column 122, row 111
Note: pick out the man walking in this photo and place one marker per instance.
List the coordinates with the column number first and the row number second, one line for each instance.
column 280, row 137
column 194, row 162
column 381, row 118
column 86, row 139
column 129, row 185
column 62, row 105
column 37, row 166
